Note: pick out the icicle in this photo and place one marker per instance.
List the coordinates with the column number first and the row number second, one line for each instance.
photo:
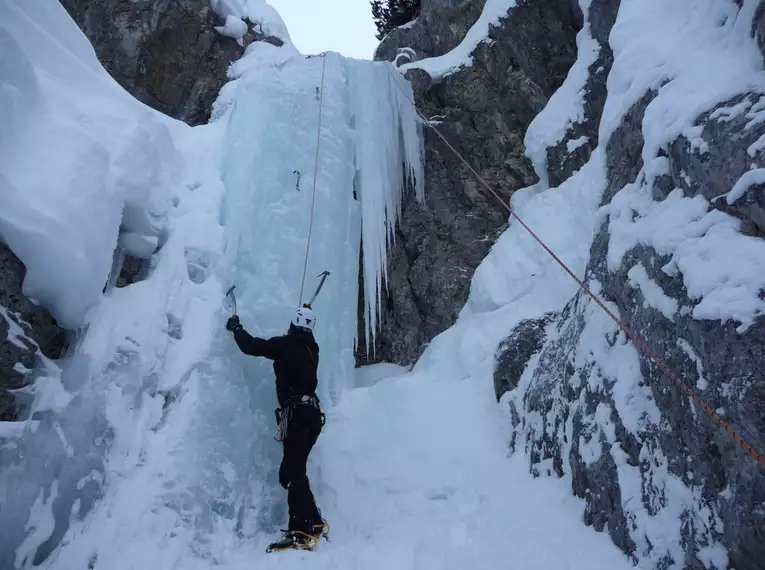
column 389, row 155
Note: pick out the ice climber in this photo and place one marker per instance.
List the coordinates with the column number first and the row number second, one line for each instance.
column 296, row 359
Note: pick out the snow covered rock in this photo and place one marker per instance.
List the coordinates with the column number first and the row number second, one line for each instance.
column 484, row 110
column 166, row 54
column 677, row 254
column 27, row 333
column 514, row 353
column 568, row 144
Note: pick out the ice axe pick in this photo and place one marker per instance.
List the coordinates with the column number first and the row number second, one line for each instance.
column 230, row 293
column 323, row 276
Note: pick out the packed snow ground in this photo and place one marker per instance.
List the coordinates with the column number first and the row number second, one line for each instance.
column 413, row 473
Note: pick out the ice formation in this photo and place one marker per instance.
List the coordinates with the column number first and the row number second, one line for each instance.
column 156, row 413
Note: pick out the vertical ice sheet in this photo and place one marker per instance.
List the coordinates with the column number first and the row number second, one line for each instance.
column 389, row 155
column 273, row 133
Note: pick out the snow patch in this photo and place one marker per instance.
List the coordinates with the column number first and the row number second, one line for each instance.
column 233, row 28
column 653, row 295
column 572, row 145
column 727, row 114
column 674, row 50
column 265, row 16
column 369, row 375
column 698, row 243
column 701, row 382
column 747, row 180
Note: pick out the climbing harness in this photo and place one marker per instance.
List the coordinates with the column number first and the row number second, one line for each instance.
column 297, row 184
column 320, row 98
column 745, row 445
column 284, row 415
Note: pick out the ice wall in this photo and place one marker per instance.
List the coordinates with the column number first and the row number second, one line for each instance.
column 158, row 431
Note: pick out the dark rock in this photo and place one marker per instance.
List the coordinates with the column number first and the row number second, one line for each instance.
column 516, row 350
column 561, row 163
column 483, row 111
column 166, row 54
column 758, row 26
column 624, row 150
column 131, row 271
column 19, row 352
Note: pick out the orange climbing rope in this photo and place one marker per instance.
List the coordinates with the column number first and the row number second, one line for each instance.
column 320, row 97
column 745, row 445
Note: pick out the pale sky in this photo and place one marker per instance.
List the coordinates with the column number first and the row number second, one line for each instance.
column 344, row 26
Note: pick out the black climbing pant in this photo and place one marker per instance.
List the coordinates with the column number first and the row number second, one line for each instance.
column 303, row 430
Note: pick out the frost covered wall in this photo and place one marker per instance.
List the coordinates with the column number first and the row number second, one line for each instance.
column 156, row 430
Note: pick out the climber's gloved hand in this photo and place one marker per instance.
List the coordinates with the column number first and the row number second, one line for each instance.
column 233, row 324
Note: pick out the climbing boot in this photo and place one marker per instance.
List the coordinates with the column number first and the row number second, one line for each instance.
column 321, row 530
column 294, row 540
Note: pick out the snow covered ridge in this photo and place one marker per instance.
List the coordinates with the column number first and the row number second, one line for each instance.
column 81, row 162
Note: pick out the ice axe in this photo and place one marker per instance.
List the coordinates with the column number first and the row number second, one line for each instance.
column 230, row 293
column 323, row 276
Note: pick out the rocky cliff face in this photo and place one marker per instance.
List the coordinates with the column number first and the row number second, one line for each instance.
column 655, row 459
column 657, row 471
column 165, row 53
column 484, row 111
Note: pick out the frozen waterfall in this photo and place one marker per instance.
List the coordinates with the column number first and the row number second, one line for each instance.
column 157, row 418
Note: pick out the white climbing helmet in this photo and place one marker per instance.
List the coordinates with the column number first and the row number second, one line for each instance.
column 304, row 318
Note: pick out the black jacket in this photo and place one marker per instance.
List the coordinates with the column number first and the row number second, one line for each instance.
column 295, row 356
